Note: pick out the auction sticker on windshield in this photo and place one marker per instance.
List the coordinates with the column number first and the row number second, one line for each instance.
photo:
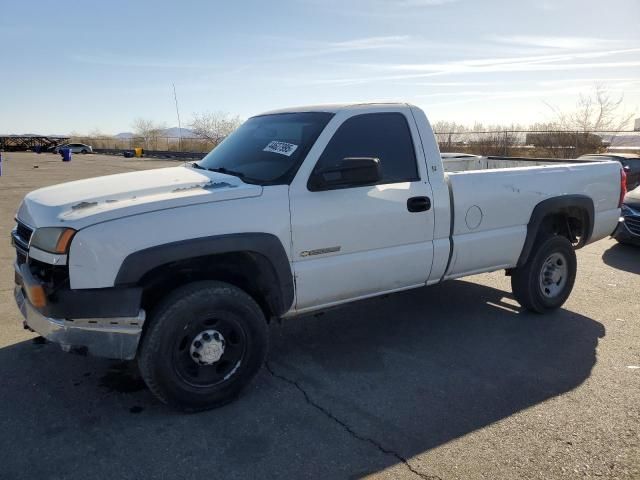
column 282, row 148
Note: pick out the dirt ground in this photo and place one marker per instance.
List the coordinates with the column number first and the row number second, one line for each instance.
column 452, row 381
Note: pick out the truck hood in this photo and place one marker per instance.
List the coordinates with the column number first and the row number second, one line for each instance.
column 86, row 202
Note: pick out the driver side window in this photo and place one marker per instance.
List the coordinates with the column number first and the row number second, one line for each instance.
column 385, row 136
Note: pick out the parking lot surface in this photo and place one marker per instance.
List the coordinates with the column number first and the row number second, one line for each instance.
column 451, row 381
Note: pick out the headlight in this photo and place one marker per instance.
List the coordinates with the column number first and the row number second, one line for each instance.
column 626, row 211
column 53, row 239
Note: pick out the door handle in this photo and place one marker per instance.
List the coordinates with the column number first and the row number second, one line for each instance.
column 418, row 204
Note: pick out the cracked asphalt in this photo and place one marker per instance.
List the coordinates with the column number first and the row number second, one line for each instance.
column 446, row 382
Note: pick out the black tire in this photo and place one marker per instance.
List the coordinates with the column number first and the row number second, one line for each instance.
column 553, row 254
column 166, row 355
column 84, row 151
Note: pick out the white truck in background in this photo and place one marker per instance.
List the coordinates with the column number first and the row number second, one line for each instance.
column 297, row 211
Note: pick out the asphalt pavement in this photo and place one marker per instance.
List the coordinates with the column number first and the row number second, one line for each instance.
column 450, row 381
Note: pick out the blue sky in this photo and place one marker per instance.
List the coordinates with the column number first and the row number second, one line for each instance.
column 79, row 66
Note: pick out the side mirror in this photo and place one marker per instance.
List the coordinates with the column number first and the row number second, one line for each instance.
column 626, row 168
column 348, row 172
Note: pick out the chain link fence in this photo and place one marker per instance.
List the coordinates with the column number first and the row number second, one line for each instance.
column 165, row 144
column 538, row 144
column 512, row 143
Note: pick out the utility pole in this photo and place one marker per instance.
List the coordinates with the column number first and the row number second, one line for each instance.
column 175, row 97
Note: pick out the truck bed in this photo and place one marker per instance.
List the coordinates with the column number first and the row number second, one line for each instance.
column 494, row 162
column 493, row 199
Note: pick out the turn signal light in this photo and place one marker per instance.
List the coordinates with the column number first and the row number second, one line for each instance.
column 62, row 245
column 36, row 295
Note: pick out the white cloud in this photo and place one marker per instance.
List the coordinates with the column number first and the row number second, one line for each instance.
column 377, row 8
column 367, row 43
column 420, row 3
column 609, row 81
column 323, row 48
column 567, row 43
column 540, row 95
column 144, row 62
column 522, row 63
column 542, row 63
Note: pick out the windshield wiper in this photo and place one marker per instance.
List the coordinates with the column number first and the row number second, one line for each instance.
column 226, row 171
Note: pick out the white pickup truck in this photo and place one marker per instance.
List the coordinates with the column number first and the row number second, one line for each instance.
column 297, row 211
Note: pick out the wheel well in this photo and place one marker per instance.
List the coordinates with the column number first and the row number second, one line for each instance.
column 570, row 216
column 248, row 271
column 571, row 223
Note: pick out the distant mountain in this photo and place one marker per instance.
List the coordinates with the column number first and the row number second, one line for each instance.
column 169, row 132
column 124, row 135
column 180, row 132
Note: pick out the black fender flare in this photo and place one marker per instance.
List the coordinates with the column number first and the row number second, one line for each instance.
column 267, row 245
column 551, row 206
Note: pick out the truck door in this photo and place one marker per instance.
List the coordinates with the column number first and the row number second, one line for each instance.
column 358, row 241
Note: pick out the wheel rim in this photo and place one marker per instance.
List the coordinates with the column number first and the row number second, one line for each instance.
column 553, row 275
column 208, row 352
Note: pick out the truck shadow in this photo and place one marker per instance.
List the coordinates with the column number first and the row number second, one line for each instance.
column 347, row 393
column 623, row 257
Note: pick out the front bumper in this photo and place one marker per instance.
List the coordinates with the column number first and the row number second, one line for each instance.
column 103, row 337
column 624, row 233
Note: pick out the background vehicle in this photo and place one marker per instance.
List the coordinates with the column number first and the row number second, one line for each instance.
column 628, row 230
column 183, row 267
column 629, row 161
column 75, row 148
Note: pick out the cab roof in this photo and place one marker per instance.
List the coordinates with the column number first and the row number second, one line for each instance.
column 337, row 107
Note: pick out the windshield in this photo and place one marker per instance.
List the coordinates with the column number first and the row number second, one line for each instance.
column 267, row 149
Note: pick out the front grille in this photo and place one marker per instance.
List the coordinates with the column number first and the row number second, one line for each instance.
column 21, row 236
column 24, row 232
column 633, row 224
column 21, row 257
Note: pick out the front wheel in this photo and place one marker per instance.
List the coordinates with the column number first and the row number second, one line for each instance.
column 545, row 281
column 206, row 341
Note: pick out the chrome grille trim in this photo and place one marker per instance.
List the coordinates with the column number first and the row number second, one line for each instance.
column 24, row 232
column 21, row 238
column 633, row 224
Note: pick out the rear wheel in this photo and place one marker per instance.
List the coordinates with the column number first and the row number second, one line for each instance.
column 206, row 342
column 546, row 280
column 84, row 150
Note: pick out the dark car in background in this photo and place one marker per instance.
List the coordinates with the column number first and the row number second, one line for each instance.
column 628, row 230
column 630, row 162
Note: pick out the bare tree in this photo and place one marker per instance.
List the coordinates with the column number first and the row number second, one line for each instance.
column 96, row 133
column 214, row 126
column 449, row 134
column 493, row 139
column 148, row 131
column 597, row 112
column 569, row 134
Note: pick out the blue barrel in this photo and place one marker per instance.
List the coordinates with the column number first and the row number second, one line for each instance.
column 38, row 148
column 66, row 154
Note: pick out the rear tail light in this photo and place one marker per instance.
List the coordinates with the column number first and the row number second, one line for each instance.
column 623, row 186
